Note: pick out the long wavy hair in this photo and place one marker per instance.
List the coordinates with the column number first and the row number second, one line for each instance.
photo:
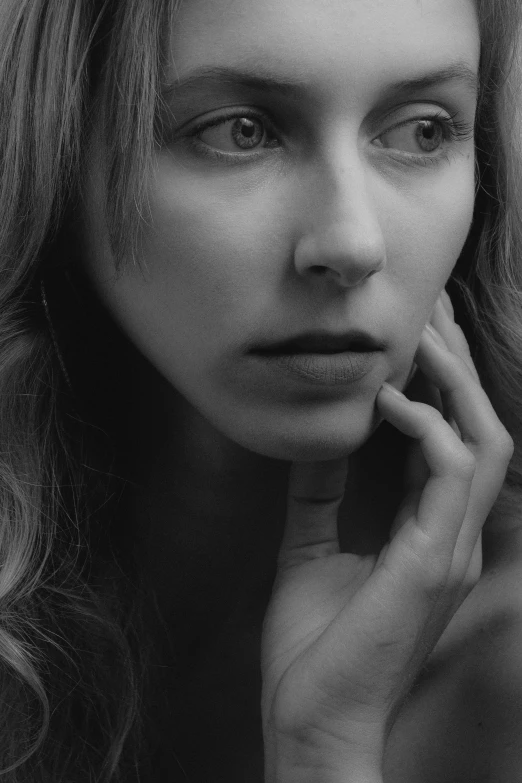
column 70, row 672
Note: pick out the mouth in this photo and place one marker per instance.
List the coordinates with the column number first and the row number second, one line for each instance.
column 322, row 343
column 322, row 358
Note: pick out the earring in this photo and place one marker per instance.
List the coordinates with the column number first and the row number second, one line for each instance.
column 53, row 336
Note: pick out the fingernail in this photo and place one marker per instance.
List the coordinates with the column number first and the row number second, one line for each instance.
column 435, row 335
column 389, row 388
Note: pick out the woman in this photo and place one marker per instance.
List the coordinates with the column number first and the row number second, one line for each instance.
column 227, row 230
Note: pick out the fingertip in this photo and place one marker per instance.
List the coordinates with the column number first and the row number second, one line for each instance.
column 435, row 336
column 389, row 395
column 446, row 301
column 389, row 389
column 397, row 409
column 442, row 319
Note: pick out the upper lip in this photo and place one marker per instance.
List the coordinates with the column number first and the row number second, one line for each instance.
column 323, row 342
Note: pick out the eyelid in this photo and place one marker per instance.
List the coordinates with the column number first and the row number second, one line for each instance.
column 198, row 125
column 191, row 132
column 419, row 106
column 421, row 111
column 455, row 130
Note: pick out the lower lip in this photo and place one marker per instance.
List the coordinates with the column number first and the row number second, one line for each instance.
column 324, row 369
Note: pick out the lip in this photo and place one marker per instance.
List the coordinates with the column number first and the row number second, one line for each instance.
column 322, row 342
column 323, row 358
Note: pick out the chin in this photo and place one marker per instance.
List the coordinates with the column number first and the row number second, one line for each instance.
column 302, row 438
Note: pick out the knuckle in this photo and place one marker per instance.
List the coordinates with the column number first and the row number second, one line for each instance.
column 461, row 366
column 457, row 362
column 501, row 445
column 464, row 463
column 428, row 565
column 432, row 417
column 435, row 581
column 497, row 448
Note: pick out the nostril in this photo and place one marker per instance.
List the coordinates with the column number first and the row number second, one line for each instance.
column 344, row 277
column 319, row 270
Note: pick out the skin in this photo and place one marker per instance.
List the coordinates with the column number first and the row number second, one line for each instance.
column 328, row 230
column 339, row 222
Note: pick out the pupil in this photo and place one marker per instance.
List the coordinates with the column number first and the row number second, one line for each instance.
column 247, row 133
column 429, row 131
column 430, row 136
column 248, row 129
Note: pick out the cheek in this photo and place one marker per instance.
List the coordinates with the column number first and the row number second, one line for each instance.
column 219, row 257
column 425, row 230
column 426, row 239
column 215, row 259
column 218, row 268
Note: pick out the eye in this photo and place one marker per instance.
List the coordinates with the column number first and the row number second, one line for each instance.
column 236, row 134
column 417, row 136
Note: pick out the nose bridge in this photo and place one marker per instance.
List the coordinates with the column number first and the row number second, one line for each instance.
column 343, row 236
column 343, row 179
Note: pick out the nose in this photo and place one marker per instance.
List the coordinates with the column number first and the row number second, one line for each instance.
column 342, row 240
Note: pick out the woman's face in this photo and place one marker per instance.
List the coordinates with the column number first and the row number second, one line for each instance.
column 312, row 195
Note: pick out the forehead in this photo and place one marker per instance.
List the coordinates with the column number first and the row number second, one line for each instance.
column 343, row 40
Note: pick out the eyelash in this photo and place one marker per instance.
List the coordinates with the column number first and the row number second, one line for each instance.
column 230, row 158
column 454, row 131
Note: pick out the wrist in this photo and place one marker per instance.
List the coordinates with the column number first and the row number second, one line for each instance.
column 290, row 761
column 299, row 774
column 351, row 772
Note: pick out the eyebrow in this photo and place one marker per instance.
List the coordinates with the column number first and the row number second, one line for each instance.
column 456, row 72
column 256, row 78
column 259, row 79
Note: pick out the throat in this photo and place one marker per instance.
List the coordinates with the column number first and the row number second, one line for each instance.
column 204, row 707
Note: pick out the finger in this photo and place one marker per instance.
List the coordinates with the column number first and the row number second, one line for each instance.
column 448, row 304
column 481, row 431
column 462, row 394
column 315, row 492
column 442, row 403
column 421, row 390
column 420, row 556
column 444, row 323
column 416, row 474
column 445, row 496
column 416, row 469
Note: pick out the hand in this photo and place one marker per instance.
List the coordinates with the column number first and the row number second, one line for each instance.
column 346, row 635
column 442, row 319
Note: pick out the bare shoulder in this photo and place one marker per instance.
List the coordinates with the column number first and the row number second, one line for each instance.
column 463, row 721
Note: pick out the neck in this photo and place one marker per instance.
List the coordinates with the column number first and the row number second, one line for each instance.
column 207, row 514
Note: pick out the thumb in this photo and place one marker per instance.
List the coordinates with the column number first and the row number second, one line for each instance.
column 315, row 492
